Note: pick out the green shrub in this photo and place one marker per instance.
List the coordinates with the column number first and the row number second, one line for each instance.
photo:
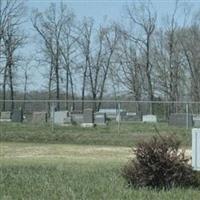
column 159, row 163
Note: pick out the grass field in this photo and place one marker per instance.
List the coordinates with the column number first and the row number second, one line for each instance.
column 64, row 165
column 129, row 135
column 59, row 171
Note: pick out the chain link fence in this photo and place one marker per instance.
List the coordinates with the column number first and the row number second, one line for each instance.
column 115, row 111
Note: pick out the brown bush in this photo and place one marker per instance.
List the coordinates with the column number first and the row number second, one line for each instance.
column 160, row 163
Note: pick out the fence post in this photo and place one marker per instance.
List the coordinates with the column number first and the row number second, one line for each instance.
column 52, row 115
column 187, row 115
column 150, row 107
column 119, row 117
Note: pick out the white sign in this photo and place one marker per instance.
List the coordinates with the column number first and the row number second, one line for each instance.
column 196, row 148
column 149, row 118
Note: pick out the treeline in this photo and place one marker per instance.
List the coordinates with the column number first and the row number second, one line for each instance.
column 140, row 57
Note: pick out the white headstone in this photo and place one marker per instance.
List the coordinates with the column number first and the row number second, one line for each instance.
column 100, row 118
column 131, row 114
column 5, row 116
column 149, row 118
column 196, row 149
column 87, row 125
column 61, row 117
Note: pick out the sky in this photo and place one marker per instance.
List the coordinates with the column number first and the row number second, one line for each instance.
column 99, row 10
column 113, row 9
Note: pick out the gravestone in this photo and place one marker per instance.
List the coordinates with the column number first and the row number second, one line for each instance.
column 132, row 117
column 149, row 118
column 111, row 113
column 121, row 115
column 88, row 118
column 62, row 117
column 17, row 116
column 77, row 118
column 196, row 121
column 181, row 120
column 5, row 116
column 39, row 117
column 100, row 118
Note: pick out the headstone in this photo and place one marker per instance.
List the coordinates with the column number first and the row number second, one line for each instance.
column 196, row 120
column 131, row 114
column 132, row 117
column 196, row 149
column 77, row 118
column 122, row 115
column 5, row 116
column 17, row 116
column 88, row 118
column 111, row 113
column 39, row 117
column 62, row 117
column 100, row 118
column 76, row 112
column 149, row 118
column 181, row 120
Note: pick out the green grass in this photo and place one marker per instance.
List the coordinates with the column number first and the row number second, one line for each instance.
column 37, row 163
column 128, row 135
column 58, row 171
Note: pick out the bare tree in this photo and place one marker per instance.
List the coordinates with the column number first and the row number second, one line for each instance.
column 143, row 17
column 84, row 42
column 129, row 73
column 97, row 48
column 49, row 26
column 190, row 41
column 168, row 59
column 10, row 40
column 68, row 48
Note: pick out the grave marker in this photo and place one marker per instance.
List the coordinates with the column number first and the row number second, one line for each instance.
column 132, row 117
column 39, row 117
column 77, row 118
column 62, row 117
column 149, row 118
column 100, row 118
column 88, row 118
column 196, row 120
column 17, row 116
column 5, row 116
column 181, row 120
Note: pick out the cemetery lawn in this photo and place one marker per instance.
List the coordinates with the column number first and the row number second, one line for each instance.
column 62, row 171
column 128, row 135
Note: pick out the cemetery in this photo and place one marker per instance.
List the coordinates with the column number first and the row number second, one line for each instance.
column 99, row 100
column 89, row 118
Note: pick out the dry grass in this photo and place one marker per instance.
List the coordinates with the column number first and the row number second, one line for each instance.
column 10, row 151
column 67, row 153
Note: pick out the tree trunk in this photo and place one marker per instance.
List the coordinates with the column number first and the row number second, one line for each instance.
column 72, row 90
column 83, row 88
column 11, row 87
column 67, row 89
column 57, row 85
column 4, row 89
column 25, row 91
column 148, row 74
